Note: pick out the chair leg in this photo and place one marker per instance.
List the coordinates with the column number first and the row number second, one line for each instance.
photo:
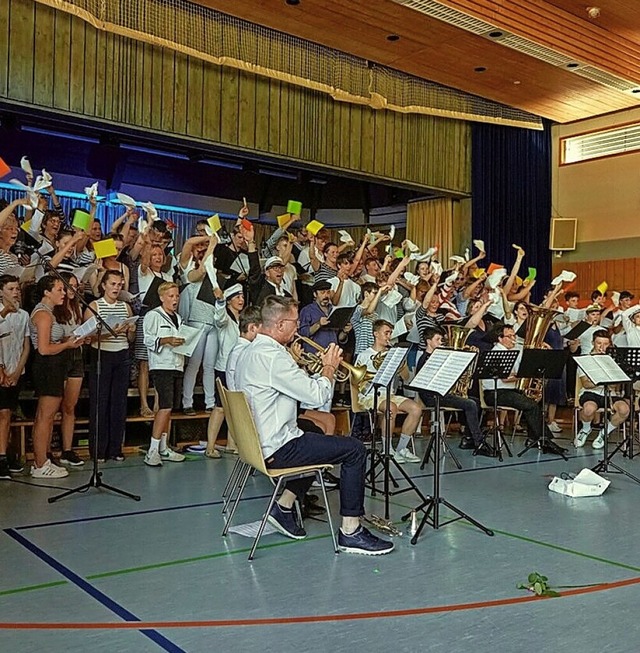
column 263, row 523
column 326, row 505
column 232, row 484
column 245, row 477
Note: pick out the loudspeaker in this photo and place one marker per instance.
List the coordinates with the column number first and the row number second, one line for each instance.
column 563, row 234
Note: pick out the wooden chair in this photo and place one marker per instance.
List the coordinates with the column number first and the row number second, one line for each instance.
column 485, row 407
column 243, row 429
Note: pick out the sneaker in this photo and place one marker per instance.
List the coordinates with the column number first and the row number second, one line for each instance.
column 598, row 443
column 581, row 438
column 284, row 522
column 71, row 458
column 364, row 542
column 554, row 428
column 118, row 458
column 5, row 473
column 49, row 470
column 153, row 458
column 190, row 411
column 330, row 481
column 407, row 456
column 15, row 466
column 172, row 456
column 467, row 443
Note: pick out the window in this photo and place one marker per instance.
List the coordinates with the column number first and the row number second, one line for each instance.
column 595, row 145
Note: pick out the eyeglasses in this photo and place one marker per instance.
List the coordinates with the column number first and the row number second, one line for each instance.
column 290, row 319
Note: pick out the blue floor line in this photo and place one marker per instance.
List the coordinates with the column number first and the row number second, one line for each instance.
column 150, row 511
column 93, row 592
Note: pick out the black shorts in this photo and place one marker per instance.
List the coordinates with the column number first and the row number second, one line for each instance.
column 9, row 397
column 597, row 399
column 49, row 374
column 168, row 385
column 76, row 364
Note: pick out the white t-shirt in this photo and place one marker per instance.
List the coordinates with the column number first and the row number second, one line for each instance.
column 17, row 326
column 351, row 291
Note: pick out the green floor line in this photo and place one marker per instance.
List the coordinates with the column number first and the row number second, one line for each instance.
column 30, row 588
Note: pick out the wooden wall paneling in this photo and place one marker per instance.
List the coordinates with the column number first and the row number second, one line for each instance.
column 102, row 68
column 630, row 278
column 367, row 144
column 195, row 97
column 246, row 110
column 180, row 94
column 43, row 70
column 346, row 135
column 168, row 90
column 212, row 102
column 155, row 89
column 398, row 143
column 296, row 148
column 229, row 107
column 62, row 61
column 334, row 135
column 379, row 140
column 5, row 19
column 89, row 73
column 77, row 63
column 355, row 151
column 127, row 71
column 274, row 116
column 262, row 98
column 285, row 122
column 21, row 55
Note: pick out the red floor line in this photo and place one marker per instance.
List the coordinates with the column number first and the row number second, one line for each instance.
column 219, row 623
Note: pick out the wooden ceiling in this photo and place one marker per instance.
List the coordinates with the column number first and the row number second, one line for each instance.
column 444, row 53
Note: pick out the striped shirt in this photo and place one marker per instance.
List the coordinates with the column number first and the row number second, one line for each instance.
column 363, row 329
column 324, row 273
column 7, row 261
column 116, row 309
column 57, row 330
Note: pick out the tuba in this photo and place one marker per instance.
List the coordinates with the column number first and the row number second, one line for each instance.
column 457, row 337
column 313, row 363
column 536, row 328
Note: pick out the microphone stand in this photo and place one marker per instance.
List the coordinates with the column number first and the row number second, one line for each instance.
column 96, row 475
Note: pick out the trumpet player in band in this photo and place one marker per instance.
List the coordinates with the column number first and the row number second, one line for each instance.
column 273, row 385
column 381, row 341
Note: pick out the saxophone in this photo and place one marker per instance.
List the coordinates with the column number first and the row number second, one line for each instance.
column 457, row 337
column 538, row 324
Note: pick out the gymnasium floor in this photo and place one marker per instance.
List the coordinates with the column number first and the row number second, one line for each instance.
column 99, row 572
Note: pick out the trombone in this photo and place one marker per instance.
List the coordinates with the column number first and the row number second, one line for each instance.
column 313, row 363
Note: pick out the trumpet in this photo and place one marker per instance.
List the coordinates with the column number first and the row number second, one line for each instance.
column 382, row 525
column 313, row 363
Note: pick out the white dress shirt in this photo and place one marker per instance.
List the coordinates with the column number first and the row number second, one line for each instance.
column 273, row 385
column 488, row 384
column 232, row 362
column 157, row 324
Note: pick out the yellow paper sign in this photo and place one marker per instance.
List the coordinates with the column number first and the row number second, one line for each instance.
column 283, row 220
column 602, row 287
column 104, row 248
column 26, row 226
column 314, row 227
column 214, row 223
column 477, row 273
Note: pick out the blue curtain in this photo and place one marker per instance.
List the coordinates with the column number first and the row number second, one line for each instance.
column 511, row 190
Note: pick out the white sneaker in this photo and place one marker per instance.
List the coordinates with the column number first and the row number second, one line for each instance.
column 171, row 456
column 598, row 443
column 405, row 456
column 49, row 470
column 153, row 458
column 554, row 428
column 581, row 438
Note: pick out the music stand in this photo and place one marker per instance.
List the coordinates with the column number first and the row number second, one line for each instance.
column 384, row 378
column 497, row 364
column 628, row 358
column 542, row 364
column 438, row 376
column 603, row 370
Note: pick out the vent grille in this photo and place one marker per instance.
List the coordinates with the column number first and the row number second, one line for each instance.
column 525, row 46
column 595, row 145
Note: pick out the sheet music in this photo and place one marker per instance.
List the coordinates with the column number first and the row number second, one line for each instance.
column 191, row 337
column 442, row 370
column 399, row 329
column 86, row 329
column 390, row 366
column 601, row 369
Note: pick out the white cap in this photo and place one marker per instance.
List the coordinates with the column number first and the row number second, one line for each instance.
column 232, row 291
column 273, row 261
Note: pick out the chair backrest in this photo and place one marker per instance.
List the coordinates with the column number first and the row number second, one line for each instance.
column 243, row 428
column 483, row 403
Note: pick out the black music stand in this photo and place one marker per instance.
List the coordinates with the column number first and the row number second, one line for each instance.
column 603, row 370
column 497, row 364
column 429, row 452
column 438, row 376
column 384, row 380
column 628, row 358
column 543, row 364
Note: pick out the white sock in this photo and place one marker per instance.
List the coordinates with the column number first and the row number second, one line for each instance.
column 586, row 426
column 403, row 441
column 163, row 442
column 610, row 428
column 154, row 445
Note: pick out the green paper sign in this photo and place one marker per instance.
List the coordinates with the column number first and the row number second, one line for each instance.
column 532, row 274
column 81, row 220
column 294, row 207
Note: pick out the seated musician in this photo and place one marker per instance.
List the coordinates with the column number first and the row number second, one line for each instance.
column 433, row 337
column 381, row 338
column 592, row 399
column 509, row 395
column 273, row 385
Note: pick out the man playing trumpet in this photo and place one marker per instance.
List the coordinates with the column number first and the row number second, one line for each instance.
column 273, row 385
